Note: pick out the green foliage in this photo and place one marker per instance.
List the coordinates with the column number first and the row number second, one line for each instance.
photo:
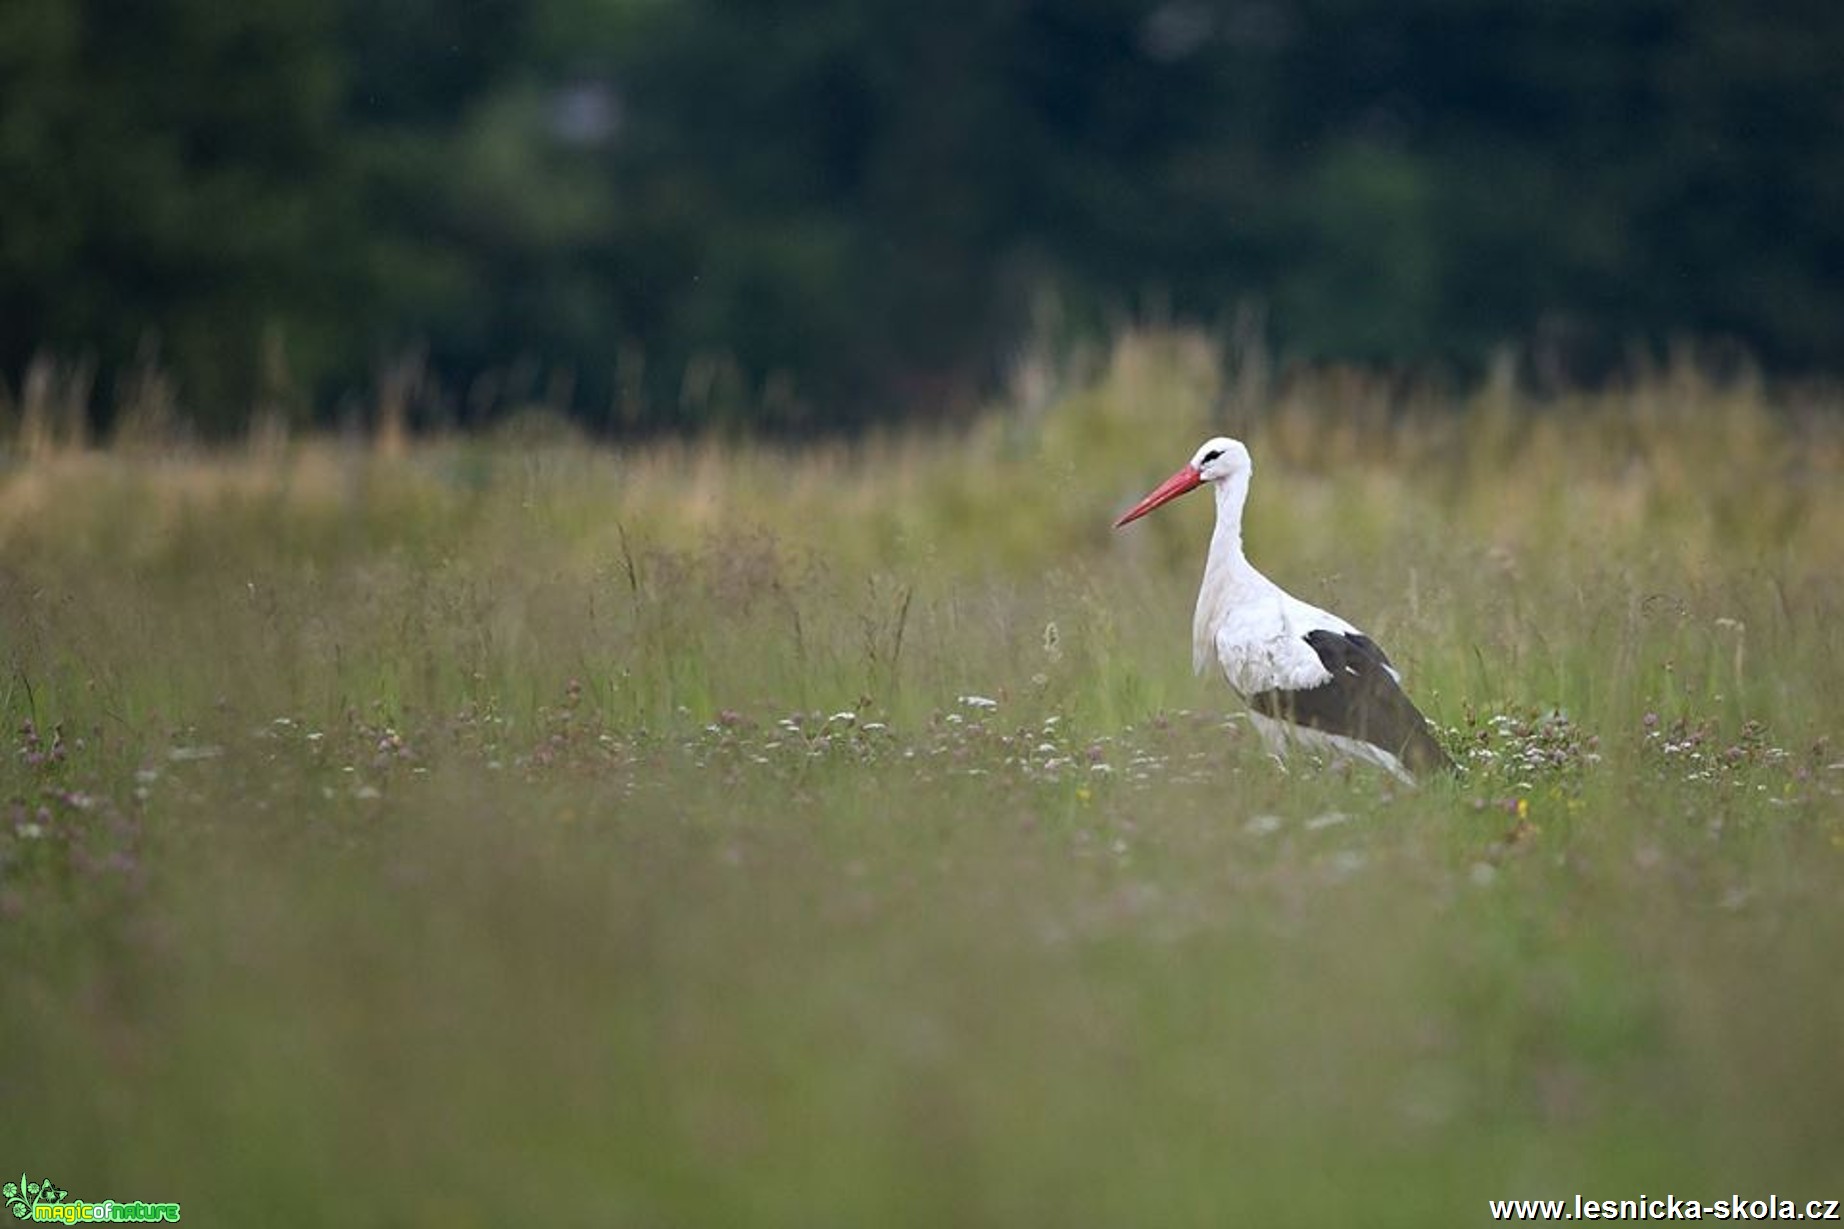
column 176, row 192
column 716, row 834
column 679, row 214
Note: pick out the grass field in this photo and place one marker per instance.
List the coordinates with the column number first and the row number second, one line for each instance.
column 703, row 835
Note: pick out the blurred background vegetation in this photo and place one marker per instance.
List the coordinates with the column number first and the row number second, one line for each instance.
column 824, row 825
column 674, row 214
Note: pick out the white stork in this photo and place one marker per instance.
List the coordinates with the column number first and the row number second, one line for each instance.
column 1308, row 676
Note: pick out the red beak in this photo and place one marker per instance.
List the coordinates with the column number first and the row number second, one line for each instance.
column 1186, row 479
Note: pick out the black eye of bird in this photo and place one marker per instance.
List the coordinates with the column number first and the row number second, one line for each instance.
column 1212, row 455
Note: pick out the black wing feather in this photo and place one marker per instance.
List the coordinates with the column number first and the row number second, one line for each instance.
column 1361, row 700
column 1363, row 643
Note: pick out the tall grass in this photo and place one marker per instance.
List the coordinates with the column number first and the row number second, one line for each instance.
column 716, row 833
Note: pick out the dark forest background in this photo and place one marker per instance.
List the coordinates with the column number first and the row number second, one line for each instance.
column 660, row 213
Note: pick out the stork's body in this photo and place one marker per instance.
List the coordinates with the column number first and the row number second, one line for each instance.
column 1309, row 677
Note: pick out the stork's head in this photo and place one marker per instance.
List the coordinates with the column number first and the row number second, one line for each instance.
column 1216, row 460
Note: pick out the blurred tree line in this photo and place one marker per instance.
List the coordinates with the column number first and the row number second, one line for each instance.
column 663, row 213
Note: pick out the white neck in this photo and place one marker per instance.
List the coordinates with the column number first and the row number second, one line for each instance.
column 1228, row 575
column 1226, row 543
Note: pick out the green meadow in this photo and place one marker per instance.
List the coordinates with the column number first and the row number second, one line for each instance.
column 515, row 830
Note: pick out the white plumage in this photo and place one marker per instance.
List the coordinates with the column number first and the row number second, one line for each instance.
column 1309, row 677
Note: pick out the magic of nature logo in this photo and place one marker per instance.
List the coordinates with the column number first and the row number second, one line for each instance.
column 45, row 1200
